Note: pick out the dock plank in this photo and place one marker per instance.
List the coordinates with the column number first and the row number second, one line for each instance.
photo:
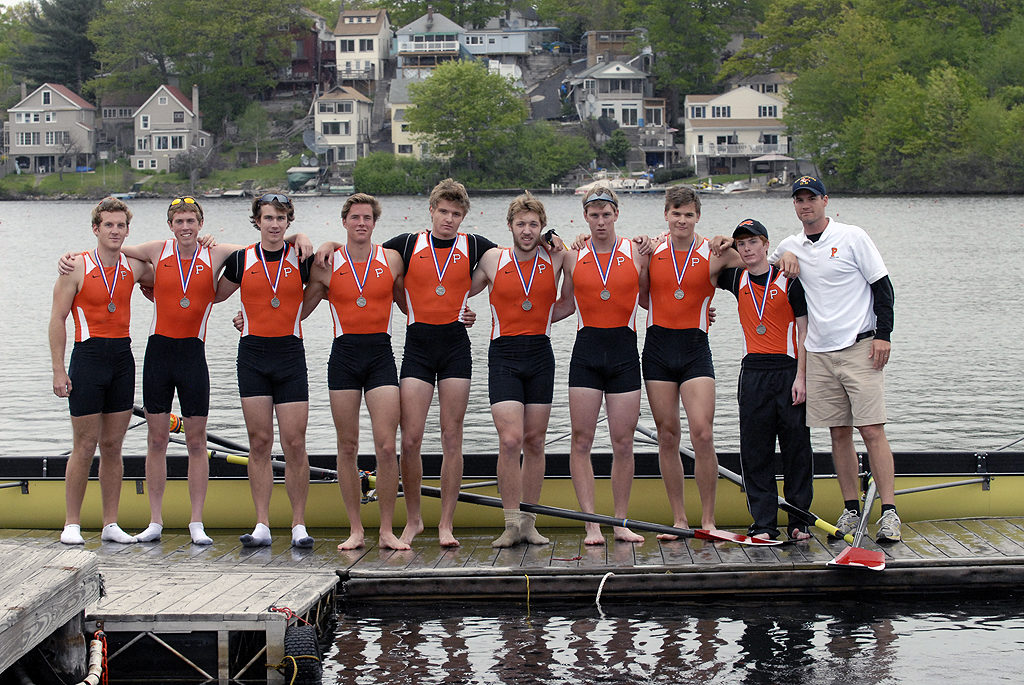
column 976, row 544
column 1010, row 532
column 565, row 550
column 936, row 536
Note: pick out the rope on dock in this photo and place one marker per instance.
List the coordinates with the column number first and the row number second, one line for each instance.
column 600, row 589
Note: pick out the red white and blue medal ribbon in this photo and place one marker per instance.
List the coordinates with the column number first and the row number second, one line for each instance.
column 274, row 302
column 761, row 329
column 604, row 273
column 185, row 281
column 360, row 301
column 675, row 267
column 527, row 305
column 440, row 272
column 111, row 284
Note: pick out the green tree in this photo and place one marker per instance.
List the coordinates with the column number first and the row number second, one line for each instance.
column 465, row 113
column 254, row 126
column 576, row 17
column 57, row 49
column 468, row 13
column 617, row 147
column 14, row 33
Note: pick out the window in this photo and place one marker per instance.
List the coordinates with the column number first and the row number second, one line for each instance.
column 162, row 143
column 326, row 107
column 365, row 44
column 767, row 111
column 344, row 108
column 298, row 50
column 178, row 117
column 51, row 138
column 144, row 122
column 698, row 112
column 769, row 87
column 629, row 116
column 652, row 116
column 109, row 112
column 124, row 113
column 721, row 111
column 162, row 100
column 140, row 164
column 152, row 164
column 46, row 97
column 405, row 128
column 141, row 144
column 346, row 46
column 26, row 138
column 342, row 153
column 202, row 142
column 770, row 139
column 50, row 117
column 608, row 112
column 177, row 142
column 335, row 128
column 405, row 149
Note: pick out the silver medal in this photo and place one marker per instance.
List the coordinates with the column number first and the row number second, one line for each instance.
column 605, row 295
column 679, row 294
column 761, row 330
column 527, row 305
column 360, row 301
column 111, row 307
column 184, row 303
column 275, row 303
column 439, row 290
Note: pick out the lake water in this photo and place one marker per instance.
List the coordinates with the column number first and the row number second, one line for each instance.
column 951, row 384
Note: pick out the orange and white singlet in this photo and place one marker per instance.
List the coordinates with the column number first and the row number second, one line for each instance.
column 259, row 316
column 431, row 299
column 613, row 302
column 777, row 321
column 93, row 303
column 182, row 312
column 513, row 312
column 344, row 295
column 681, row 305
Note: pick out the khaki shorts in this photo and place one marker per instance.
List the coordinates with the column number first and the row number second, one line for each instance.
column 844, row 389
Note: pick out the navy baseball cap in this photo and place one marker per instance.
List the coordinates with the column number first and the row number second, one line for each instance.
column 809, row 183
column 750, row 227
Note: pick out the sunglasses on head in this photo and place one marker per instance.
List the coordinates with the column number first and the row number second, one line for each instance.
column 275, row 197
column 186, row 199
column 601, row 197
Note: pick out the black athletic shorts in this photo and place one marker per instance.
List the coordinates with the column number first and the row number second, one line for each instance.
column 434, row 352
column 605, row 359
column 274, row 367
column 361, row 362
column 176, row 364
column 102, row 372
column 677, row 355
column 521, row 368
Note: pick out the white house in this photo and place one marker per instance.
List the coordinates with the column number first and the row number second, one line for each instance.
column 342, row 120
column 362, row 40
column 166, row 125
column 426, row 42
column 617, row 91
column 52, row 125
column 724, row 132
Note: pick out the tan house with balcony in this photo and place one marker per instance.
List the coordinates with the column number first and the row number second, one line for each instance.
column 362, row 40
column 342, row 120
column 51, row 126
column 166, row 125
column 725, row 132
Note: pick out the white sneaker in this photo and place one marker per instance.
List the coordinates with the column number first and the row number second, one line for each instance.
column 847, row 523
column 889, row 527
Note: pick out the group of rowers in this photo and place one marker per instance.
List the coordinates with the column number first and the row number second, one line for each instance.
column 819, row 342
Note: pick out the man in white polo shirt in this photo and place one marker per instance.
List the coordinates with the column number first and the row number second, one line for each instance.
column 850, row 319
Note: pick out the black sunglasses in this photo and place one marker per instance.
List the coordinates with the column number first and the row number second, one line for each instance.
column 276, row 197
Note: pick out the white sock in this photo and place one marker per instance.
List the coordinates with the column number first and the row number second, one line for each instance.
column 199, row 536
column 300, row 538
column 152, row 533
column 260, row 537
column 113, row 533
column 72, row 535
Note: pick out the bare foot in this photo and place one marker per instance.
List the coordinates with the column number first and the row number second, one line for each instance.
column 412, row 529
column 626, row 535
column 355, row 541
column 387, row 540
column 668, row 537
column 594, row 536
column 446, row 538
column 762, row 536
column 797, row 534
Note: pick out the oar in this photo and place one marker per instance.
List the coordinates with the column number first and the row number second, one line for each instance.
column 783, row 504
column 719, row 535
column 856, row 556
column 210, row 437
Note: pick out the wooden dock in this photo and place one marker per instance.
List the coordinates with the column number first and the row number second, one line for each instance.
column 42, row 588
column 209, row 607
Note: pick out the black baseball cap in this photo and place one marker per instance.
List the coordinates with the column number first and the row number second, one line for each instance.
column 809, row 183
column 750, row 227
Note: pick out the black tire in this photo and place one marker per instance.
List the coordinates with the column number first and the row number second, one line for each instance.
column 304, row 667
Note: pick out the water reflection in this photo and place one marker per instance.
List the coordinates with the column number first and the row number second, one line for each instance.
column 753, row 642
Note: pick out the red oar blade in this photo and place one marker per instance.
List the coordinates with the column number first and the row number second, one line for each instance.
column 726, row 536
column 858, row 557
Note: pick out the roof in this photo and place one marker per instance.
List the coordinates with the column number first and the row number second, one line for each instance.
column 361, row 29
column 344, row 93
column 595, row 71
column 399, row 93
column 174, row 93
column 65, row 92
column 438, row 24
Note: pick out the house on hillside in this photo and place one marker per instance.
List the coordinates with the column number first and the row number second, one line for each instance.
column 608, row 46
column 363, row 41
column 166, row 125
column 428, row 41
column 342, row 120
column 51, row 126
column 725, row 132
column 312, row 53
column 115, row 126
column 399, row 103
